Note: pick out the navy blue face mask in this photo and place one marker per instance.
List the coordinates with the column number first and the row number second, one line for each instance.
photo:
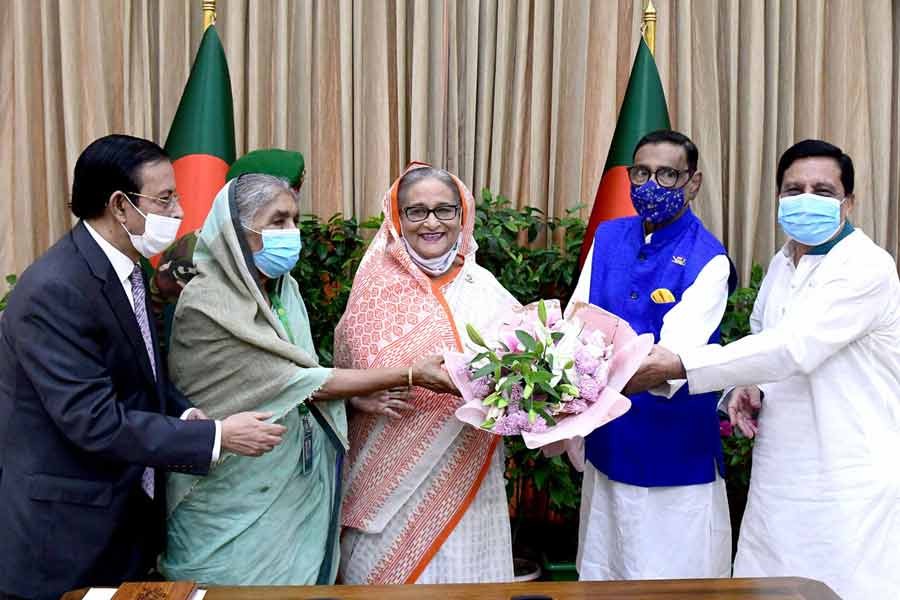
column 655, row 203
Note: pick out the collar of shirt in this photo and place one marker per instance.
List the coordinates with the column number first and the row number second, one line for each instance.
column 822, row 249
column 121, row 264
column 672, row 230
column 846, row 230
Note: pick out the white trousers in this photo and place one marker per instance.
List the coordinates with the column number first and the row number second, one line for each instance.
column 632, row 532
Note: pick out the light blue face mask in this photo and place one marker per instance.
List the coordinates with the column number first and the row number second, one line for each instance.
column 280, row 251
column 809, row 218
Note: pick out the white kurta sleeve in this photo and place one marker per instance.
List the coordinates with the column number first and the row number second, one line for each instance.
column 841, row 310
column 582, row 291
column 691, row 322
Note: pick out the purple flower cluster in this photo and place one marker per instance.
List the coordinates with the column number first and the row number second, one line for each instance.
column 585, row 363
column 515, row 421
column 590, row 389
column 574, row 407
column 482, row 386
column 514, row 396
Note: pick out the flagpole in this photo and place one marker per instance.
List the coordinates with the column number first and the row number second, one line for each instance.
column 648, row 26
column 209, row 13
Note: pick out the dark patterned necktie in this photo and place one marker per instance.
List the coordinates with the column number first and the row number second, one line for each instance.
column 140, row 313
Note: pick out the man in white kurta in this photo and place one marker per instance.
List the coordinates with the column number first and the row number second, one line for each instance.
column 824, row 497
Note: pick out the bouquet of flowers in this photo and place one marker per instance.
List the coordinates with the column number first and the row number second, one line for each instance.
column 550, row 380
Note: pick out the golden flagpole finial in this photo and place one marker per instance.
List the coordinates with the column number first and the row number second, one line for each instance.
column 209, row 13
column 649, row 26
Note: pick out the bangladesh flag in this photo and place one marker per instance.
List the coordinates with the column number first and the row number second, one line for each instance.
column 643, row 110
column 201, row 140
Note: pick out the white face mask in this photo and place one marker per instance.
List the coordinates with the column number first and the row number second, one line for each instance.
column 159, row 233
column 436, row 266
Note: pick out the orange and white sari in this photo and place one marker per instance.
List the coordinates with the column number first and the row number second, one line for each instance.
column 424, row 494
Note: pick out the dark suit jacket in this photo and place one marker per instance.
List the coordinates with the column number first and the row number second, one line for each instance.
column 81, row 415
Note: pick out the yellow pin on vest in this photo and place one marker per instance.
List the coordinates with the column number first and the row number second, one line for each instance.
column 662, row 296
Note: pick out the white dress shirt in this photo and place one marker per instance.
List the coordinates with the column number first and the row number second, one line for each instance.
column 123, row 267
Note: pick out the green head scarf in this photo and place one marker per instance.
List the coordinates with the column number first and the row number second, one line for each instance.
column 285, row 164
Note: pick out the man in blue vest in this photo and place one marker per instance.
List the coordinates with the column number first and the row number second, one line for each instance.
column 653, row 503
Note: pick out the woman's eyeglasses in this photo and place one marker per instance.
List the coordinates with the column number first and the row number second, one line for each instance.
column 445, row 212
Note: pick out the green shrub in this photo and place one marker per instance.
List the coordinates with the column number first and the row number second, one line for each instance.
column 738, row 450
column 328, row 259
column 11, row 282
column 507, row 247
column 736, row 322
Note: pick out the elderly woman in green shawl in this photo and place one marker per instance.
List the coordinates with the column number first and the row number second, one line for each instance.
column 176, row 266
column 241, row 342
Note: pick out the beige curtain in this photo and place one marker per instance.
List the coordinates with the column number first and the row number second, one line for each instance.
column 517, row 96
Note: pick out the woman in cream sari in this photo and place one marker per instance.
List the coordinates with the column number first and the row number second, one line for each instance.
column 241, row 341
column 425, row 499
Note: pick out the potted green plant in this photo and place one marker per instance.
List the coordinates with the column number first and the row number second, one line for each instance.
column 738, row 449
column 11, row 282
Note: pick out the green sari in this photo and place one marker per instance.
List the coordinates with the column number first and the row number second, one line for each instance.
column 252, row 521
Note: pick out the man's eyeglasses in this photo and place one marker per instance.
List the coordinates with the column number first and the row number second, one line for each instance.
column 445, row 212
column 666, row 177
column 176, row 198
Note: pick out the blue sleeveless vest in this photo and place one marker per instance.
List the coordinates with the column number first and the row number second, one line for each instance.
column 659, row 441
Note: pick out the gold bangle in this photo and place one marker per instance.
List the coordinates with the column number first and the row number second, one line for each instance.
column 409, row 377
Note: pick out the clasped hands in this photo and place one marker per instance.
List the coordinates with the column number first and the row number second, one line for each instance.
column 663, row 365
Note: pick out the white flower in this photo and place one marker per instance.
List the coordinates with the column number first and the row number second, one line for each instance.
column 495, row 413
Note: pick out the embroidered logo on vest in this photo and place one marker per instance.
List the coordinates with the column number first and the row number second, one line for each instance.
column 679, row 260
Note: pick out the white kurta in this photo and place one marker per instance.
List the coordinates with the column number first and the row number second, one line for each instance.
column 479, row 549
column 824, row 497
column 634, row 532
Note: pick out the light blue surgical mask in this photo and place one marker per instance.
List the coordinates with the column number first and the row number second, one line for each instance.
column 809, row 218
column 280, row 251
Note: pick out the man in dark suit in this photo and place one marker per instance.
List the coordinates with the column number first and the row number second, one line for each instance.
column 88, row 417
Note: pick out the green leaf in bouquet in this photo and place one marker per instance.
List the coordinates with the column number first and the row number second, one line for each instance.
column 491, row 399
column 498, row 371
column 488, row 424
column 532, row 415
column 475, row 336
column 542, row 312
column 509, row 381
column 502, row 402
column 567, row 388
column 487, row 369
column 539, row 349
column 547, row 417
column 480, row 356
column 509, row 360
column 528, row 391
column 542, row 377
column 529, row 342
column 548, row 389
column 557, row 335
column 569, row 365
